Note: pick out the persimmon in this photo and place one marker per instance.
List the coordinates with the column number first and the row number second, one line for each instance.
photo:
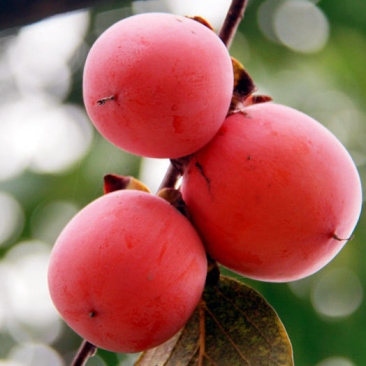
column 274, row 195
column 127, row 271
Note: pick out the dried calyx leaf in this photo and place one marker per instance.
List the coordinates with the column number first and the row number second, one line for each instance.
column 233, row 325
column 243, row 83
column 244, row 88
column 257, row 99
column 115, row 182
column 201, row 20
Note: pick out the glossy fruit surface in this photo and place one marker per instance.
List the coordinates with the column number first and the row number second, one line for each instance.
column 274, row 195
column 127, row 271
column 158, row 85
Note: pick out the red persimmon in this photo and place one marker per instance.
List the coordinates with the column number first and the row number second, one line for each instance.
column 158, row 85
column 274, row 195
column 127, row 271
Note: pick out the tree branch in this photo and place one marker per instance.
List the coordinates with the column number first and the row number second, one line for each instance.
column 16, row 13
column 233, row 18
column 85, row 351
column 171, row 177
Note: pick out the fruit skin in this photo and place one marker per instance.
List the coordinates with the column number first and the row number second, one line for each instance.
column 171, row 80
column 272, row 192
column 127, row 271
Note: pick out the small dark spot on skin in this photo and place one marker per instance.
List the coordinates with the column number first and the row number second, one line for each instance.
column 92, row 314
column 249, row 157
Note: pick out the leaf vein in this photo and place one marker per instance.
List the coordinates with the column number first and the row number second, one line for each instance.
column 226, row 334
column 249, row 319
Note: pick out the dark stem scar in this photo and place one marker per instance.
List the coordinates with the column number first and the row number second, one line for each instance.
column 336, row 237
column 92, row 314
column 105, row 100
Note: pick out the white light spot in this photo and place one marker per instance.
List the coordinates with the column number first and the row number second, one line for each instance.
column 10, row 363
column 152, row 172
column 12, row 162
column 338, row 293
column 337, row 111
column 143, row 6
column 41, row 134
column 64, row 136
column 38, row 56
column 214, row 11
column 33, row 354
column 31, row 314
column 301, row 26
column 265, row 18
column 336, row 361
column 11, row 218
column 4, row 312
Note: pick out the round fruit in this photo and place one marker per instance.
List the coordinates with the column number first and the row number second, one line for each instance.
column 158, row 85
column 127, row 271
column 274, row 195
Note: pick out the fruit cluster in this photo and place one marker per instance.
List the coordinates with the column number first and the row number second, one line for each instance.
column 270, row 193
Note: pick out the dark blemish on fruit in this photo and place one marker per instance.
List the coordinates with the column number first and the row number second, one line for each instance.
column 105, row 100
column 92, row 314
column 199, row 166
column 222, row 131
column 249, row 157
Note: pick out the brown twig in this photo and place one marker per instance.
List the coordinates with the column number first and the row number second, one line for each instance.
column 85, row 351
column 233, row 18
column 170, row 178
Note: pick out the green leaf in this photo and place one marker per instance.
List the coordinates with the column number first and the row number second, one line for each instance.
column 110, row 358
column 233, row 325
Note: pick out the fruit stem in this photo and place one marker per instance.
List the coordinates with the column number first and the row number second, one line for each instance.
column 170, row 178
column 233, row 18
column 227, row 32
column 85, row 351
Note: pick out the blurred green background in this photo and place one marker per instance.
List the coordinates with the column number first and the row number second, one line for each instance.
column 310, row 55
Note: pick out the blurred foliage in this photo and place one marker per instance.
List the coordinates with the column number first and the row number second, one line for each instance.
column 329, row 84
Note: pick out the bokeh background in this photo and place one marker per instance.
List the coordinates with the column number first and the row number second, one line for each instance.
column 310, row 55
